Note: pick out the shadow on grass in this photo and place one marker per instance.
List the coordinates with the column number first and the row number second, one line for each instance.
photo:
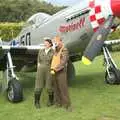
column 81, row 81
column 27, row 80
column 88, row 80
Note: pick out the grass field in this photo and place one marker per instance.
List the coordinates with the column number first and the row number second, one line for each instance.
column 91, row 98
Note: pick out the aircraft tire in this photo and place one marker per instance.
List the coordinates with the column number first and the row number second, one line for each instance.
column 14, row 92
column 115, row 77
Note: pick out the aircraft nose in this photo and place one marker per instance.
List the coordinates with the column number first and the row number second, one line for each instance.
column 115, row 6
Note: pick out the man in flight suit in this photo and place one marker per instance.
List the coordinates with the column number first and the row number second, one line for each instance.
column 59, row 72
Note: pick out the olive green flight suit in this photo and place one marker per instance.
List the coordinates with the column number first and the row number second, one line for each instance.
column 60, row 80
column 43, row 77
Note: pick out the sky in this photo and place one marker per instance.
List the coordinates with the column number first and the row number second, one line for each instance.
column 63, row 2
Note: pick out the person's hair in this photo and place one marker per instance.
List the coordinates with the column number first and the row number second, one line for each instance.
column 50, row 41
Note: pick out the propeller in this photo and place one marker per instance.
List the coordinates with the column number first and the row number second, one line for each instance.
column 97, row 41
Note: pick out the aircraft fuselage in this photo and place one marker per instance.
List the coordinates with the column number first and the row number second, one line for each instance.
column 76, row 25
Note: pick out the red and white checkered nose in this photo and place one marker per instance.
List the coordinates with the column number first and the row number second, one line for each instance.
column 95, row 15
column 115, row 6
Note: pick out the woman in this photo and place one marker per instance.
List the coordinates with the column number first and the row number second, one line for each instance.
column 43, row 77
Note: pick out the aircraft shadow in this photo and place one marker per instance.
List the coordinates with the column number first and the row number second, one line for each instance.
column 27, row 80
column 94, row 79
column 86, row 81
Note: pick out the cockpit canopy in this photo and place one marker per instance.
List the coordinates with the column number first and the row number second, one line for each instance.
column 38, row 18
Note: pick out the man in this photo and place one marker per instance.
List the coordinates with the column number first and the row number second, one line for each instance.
column 43, row 77
column 59, row 72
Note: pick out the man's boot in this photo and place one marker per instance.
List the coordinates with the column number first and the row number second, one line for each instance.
column 51, row 99
column 37, row 99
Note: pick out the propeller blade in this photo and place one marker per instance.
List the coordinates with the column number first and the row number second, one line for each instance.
column 97, row 41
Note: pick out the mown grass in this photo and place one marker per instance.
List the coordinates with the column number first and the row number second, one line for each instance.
column 91, row 97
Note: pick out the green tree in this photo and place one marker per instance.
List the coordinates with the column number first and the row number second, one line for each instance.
column 21, row 10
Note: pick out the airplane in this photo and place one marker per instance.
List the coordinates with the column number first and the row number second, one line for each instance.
column 83, row 28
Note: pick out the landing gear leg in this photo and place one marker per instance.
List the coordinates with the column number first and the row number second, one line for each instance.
column 112, row 74
column 12, row 85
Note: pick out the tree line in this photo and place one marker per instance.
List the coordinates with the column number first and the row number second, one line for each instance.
column 21, row 10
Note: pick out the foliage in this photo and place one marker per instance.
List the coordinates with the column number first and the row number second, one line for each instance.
column 114, row 35
column 9, row 30
column 21, row 10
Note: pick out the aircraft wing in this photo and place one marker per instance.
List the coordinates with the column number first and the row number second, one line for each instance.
column 31, row 47
column 21, row 55
column 112, row 42
column 6, row 48
column 20, row 49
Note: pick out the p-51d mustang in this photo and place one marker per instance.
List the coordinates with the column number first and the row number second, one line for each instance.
column 83, row 28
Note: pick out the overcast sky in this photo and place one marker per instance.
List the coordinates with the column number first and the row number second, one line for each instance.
column 63, row 2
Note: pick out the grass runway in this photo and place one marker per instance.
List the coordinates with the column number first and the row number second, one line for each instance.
column 91, row 97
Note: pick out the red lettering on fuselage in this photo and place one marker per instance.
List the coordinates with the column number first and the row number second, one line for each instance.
column 72, row 26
